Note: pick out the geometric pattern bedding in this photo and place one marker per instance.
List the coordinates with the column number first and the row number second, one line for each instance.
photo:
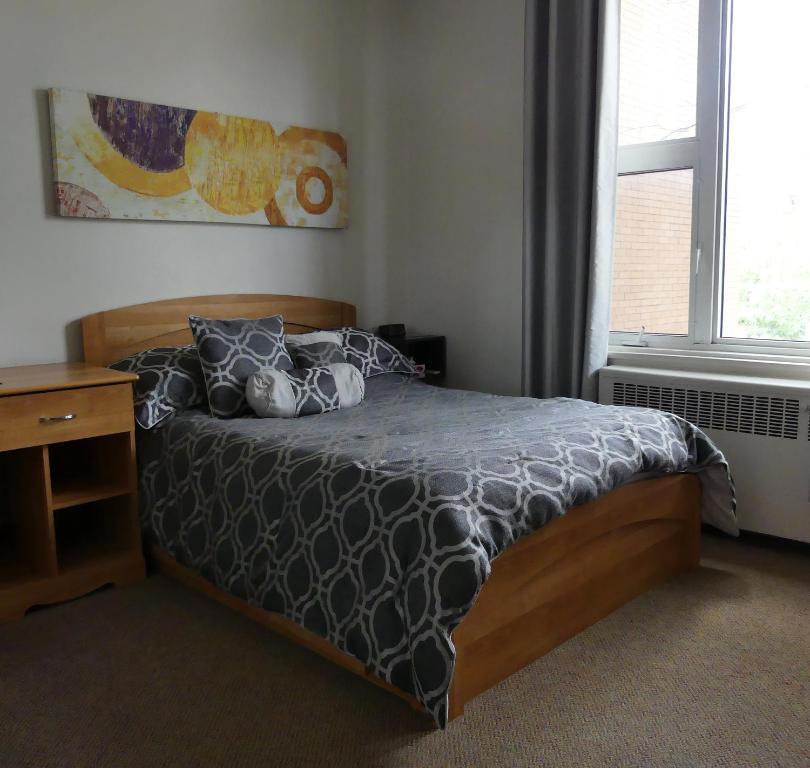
column 376, row 526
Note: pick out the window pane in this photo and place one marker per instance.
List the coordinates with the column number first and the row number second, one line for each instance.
column 652, row 252
column 767, row 248
column 658, row 72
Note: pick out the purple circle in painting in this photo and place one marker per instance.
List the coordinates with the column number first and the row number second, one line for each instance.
column 152, row 136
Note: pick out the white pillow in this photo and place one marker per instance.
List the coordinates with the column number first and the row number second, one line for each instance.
column 299, row 339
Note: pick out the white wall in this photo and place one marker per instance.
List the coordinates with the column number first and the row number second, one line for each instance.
column 429, row 94
column 293, row 62
column 451, row 194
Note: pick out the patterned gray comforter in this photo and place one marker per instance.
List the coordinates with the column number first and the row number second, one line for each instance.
column 376, row 526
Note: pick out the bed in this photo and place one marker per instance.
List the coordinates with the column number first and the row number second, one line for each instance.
column 434, row 541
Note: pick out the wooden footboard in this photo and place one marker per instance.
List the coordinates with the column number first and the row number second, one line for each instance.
column 547, row 588
column 566, row 576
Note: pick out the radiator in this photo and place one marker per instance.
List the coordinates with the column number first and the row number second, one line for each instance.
column 761, row 425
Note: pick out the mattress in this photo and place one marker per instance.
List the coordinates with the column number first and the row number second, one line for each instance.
column 375, row 527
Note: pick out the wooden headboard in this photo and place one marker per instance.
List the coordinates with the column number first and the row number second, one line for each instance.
column 114, row 334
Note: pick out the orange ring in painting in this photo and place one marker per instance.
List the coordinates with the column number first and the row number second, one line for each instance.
column 313, row 172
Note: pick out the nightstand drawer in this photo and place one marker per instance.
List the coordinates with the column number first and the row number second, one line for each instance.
column 70, row 414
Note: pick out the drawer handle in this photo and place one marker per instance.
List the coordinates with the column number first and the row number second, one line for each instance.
column 51, row 419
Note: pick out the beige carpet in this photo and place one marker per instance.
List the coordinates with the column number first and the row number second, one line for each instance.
column 712, row 669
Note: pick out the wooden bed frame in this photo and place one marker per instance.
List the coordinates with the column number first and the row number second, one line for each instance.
column 543, row 590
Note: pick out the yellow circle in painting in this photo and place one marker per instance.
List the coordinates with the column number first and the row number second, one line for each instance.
column 233, row 162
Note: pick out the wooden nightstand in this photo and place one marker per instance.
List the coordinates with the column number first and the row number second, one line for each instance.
column 427, row 350
column 68, row 484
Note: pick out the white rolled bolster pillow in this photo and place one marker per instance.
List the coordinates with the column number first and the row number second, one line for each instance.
column 303, row 392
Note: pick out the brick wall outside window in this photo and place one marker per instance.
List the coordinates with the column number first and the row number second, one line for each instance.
column 652, row 252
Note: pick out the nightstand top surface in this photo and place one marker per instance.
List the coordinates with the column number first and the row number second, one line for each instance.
column 45, row 378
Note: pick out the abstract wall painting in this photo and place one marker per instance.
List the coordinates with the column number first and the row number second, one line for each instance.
column 123, row 159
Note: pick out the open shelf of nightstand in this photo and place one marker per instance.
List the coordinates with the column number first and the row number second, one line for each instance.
column 83, row 471
column 89, row 533
column 26, row 534
column 14, row 567
column 74, row 496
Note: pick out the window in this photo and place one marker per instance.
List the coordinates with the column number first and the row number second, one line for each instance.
column 659, row 70
column 712, row 249
column 766, row 270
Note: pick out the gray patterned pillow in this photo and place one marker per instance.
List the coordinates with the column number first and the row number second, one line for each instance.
column 318, row 354
column 371, row 355
column 231, row 351
column 309, row 350
column 287, row 394
column 170, row 379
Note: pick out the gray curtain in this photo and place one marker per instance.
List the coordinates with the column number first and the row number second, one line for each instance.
column 572, row 76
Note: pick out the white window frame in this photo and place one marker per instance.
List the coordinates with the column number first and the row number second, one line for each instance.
column 704, row 154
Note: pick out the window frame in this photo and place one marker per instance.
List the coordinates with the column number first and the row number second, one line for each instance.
column 705, row 155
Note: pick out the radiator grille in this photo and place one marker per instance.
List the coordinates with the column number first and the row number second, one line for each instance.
column 727, row 411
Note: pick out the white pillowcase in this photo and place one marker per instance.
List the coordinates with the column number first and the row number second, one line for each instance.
column 316, row 337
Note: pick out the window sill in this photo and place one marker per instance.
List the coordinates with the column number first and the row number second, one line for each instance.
column 711, row 361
